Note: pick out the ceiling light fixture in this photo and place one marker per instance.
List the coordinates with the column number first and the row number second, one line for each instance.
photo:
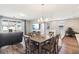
column 42, row 20
column 42, row 4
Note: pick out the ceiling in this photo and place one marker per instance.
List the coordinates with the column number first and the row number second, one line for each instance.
column 35, row 11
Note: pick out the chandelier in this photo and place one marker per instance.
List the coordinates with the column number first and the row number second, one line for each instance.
column 42, row 20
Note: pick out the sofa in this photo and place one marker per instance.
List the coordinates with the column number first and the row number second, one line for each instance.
column 10, row 38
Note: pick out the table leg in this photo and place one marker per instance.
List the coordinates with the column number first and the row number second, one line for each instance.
column 39, row 48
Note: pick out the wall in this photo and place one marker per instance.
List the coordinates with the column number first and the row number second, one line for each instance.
column 28, row 26
column 54, row 25
column 74, row 23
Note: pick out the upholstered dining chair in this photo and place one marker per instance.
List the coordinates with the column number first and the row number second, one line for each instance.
column 49, row 48
column 52, row 47
column 56, row 44
column 30, row 46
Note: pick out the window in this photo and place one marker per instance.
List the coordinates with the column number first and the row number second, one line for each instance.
column 5, row 28
column 35, row 26
column 13, row 25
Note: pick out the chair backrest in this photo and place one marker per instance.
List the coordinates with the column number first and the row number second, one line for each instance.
column 51, row 42
column 54, row 40
column 51, row 34
column 10, row 38
column 56, row 43
column 57, row 38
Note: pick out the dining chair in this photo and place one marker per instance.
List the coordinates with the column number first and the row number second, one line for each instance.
column 30, row 46
column 51, row 34
column 52, row 46
column 49, row 48
column 56, row 44
column 26, row 44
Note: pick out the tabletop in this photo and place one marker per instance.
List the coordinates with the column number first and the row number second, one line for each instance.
column 39, row 38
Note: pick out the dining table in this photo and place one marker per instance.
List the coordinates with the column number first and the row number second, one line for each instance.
column 40, row 39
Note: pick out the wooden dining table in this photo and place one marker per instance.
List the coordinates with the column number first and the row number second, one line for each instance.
column 40, row 39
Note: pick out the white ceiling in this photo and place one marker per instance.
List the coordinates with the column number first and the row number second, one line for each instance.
column 35, row 11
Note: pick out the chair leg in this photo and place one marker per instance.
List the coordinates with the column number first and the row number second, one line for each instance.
column 56, row 49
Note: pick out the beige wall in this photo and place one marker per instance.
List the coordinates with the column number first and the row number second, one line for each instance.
column 74, row 23
column 28, row 26
column 54, row 25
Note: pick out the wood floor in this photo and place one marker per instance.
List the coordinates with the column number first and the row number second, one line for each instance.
column 69, row 46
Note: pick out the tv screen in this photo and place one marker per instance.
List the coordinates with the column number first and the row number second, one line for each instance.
column 35, row 26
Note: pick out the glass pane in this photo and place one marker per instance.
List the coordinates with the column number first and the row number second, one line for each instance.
column 5, row 28
column 5, row 23
column 35, row 26
column 14, row 25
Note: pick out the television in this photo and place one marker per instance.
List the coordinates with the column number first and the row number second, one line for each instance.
column 35, row 26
